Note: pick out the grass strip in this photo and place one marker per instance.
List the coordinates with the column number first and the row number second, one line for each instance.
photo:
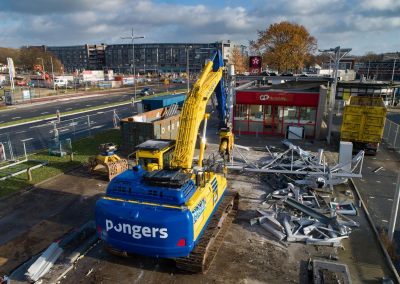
column 82, row 150
column 83, row 109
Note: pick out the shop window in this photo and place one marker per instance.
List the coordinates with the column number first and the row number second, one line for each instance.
column 241, row 118
column 256, row 113
column 241, row 112
column 256, row 118
column 339, row 95
column 307, row 115
column 291, row 114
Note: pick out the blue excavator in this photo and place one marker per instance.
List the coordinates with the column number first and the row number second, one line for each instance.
column 165, row 206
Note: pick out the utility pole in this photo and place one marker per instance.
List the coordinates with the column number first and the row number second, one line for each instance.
column 187, row 66
column 52, row 71
column 133, row 58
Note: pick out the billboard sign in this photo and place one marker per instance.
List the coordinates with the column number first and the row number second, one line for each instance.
column 127, row 81
column 93, row 75
column 255, row 65
column 2, row 79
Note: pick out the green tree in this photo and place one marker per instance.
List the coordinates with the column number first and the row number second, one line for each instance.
column 29, row 59
column 284, row 45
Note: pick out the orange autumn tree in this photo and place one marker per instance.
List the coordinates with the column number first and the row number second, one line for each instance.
column 238, row 60
column 284, row 45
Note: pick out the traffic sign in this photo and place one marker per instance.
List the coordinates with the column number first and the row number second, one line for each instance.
column 2, row 152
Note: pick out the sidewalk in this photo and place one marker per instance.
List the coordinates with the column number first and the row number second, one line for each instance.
column 377, row 189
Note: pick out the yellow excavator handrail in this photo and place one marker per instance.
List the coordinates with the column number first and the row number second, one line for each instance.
column 192, row 115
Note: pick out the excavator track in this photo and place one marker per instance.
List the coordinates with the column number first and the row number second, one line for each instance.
column 116, row 252
column 202, row 256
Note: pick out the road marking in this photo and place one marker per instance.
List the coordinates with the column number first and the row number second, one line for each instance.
column 394, row 183
column 20, row 132
column 387, row 159
column 106, row 102
column 363, row 180
column 88, row 105
column 63, row 130
column 385, row 221
column 100, row 112
column 16, row 117
column 378, row 181
column 68, row 108
column 374, row 158
column 369, row 167
column 390, row 199
column 45, row 112
column 98, row 126
column 26, row 139
column 371, row 197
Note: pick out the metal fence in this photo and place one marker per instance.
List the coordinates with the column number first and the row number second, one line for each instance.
column 391, row 134
column 34, row 138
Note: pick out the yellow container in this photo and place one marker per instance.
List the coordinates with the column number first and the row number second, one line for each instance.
column 363, row 120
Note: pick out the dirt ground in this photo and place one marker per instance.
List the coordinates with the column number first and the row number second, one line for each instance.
column 249, row 254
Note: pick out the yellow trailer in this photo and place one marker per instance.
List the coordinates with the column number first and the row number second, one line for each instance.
column 363, row 123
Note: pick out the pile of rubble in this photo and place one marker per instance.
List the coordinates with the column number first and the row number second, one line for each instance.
column 300, row 207
column 299, row 216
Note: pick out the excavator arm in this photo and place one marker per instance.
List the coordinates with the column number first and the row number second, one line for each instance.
column 44, row 75
column 193, row 113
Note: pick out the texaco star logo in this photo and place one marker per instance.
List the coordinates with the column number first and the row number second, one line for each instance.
column 256, row 60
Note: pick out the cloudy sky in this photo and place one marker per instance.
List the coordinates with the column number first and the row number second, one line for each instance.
column 363, row 25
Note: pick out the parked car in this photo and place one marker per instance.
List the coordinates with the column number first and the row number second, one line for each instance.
column 147, row 92
column 178, row 81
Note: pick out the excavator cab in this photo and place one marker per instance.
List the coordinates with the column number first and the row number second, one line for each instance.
column 154, row 154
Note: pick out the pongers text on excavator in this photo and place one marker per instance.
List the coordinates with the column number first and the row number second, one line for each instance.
column 175, row 210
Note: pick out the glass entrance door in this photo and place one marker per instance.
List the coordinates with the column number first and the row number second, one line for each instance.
column 273, row 120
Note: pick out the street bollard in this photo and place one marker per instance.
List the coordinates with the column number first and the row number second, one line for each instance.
column 71, row 157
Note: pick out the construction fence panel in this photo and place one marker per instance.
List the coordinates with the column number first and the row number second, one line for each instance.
column 391, row 134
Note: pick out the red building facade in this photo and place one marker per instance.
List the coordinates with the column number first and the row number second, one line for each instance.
column 271, row 112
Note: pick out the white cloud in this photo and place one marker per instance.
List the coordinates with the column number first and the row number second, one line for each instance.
column 73, row 22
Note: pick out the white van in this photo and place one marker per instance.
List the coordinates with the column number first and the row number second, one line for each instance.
column 58, row 83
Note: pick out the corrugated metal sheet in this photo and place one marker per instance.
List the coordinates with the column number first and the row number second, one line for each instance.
column 134, row 133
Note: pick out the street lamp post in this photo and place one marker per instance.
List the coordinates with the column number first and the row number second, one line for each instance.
column 133, row 58
column 187, row 66
column 43, row 68
column 337, row 56
column 394, row 65
column 52, row 71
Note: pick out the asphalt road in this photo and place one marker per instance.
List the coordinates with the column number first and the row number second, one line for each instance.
column 36, row 110
column 34, row 136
